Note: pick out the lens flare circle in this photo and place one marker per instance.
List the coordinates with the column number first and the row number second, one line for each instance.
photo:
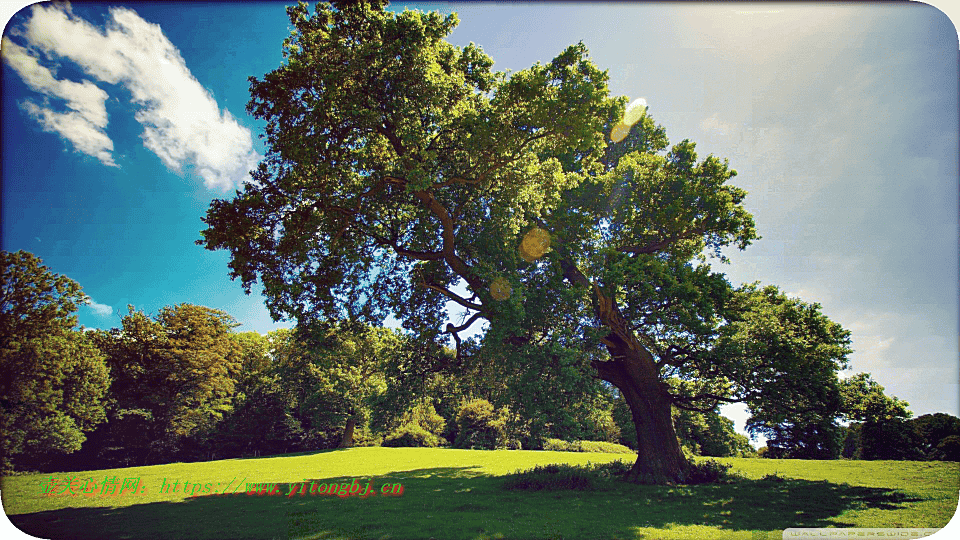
column 534, row 244
column 500, row 289
column 634, row 111
column 619, row 132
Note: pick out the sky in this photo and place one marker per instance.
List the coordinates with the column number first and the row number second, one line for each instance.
column 121, row 122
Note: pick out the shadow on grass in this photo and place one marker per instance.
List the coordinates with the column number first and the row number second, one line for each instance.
column 461, row 503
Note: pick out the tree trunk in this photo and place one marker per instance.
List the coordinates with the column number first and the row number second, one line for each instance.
column 633, row 371
column 347, row 440
column 659, row 458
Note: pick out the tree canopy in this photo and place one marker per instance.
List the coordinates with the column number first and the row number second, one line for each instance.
column 402, row 171
column 174, row 377
column 52, row 379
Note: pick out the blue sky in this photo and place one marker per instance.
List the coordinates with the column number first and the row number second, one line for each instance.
column 121, row 122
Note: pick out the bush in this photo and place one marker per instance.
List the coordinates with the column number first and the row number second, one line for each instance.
column 709, row 471
column 479, row 427
column 563, row 476
column 558, row 445
column 551, row 477
column 612, row 469
column 412, row 435
column 425, row 415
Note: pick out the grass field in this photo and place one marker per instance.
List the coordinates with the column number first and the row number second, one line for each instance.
column 452, row 494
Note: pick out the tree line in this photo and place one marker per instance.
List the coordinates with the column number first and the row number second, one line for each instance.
column 185, row 385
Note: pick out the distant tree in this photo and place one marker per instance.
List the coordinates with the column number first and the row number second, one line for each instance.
column 480, row 426
column 787, row 355
column 884, row 432
column 52, row 379
column 864, row 400
column 933, row 428
column 351, row 360
column 259, row 421
column 805, row 439
column 710, row 434
column 948, row 449
column 850, row 445
column 175, row 375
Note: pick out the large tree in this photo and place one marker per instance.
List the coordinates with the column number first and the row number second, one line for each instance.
column 401, row 171
column 174, row 378
column 351, row 360
column 52, row 379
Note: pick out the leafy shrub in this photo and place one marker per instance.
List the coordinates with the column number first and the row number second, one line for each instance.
column 563, row 476
column 551, row 477
column 412, row 435
column 612, row 469
column 558, row 445
column 425, row 415
column 478, row 426
column 606, row 447
column 602, row 426
column 709, row 471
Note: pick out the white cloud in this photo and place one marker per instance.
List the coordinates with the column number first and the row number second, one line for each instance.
column 83, row 126
column 76, row 129
column 102, row 310
column 183, row 124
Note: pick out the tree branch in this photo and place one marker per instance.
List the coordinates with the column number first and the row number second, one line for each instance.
column 452, row 296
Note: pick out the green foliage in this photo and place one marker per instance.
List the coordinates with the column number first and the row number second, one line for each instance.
column 479, row 426
column 349, row 362
column 709, row 471
column 400, row 168
column 265, row 417
column 586, row 446
column 425, row 415
column 948, row 449
column 933, row 428
column 413, row 435
column 551, row 477
column 52, row 379
column 709, row 434
column 174, row 380
column 784, row 355
column 864, row 401
column 881, row 429
column 421, row 426
column 888, row 439
column 804, row 440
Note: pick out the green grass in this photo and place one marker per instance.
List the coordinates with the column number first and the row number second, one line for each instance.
column 450, row 494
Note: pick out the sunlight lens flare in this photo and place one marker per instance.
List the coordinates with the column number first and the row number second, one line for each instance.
column 631, row 116
column 500, row 289
column 634, row 111
column 619, row 132
column 535, row 243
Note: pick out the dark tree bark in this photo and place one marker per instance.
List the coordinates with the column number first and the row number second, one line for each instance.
column 659, row 458
column 634, row 372
column 346, row 441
